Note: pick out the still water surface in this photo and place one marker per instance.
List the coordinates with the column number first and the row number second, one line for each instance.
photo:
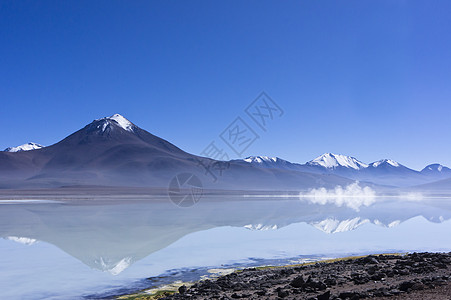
column 76, row 249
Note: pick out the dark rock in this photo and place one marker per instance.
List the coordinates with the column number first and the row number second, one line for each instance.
column 215, row 286
column 377, row 276
column 286, row 272
column 360, row 278
column 320, row 286
column 372, row 260
column 311, row 282
column 439, row 282
column 418, row 286
column 324, row 296
column 390, row 273
column 372, row 270
column 182, row 289
column 297, row 282
column 330, row 282
column 349, row 295
column 381, row 292
column 404, row 271
column 314, row 285
column 282, row 293
column 406, row 285
column 395, row 292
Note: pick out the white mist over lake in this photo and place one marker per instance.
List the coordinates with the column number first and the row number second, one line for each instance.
column 352, row 196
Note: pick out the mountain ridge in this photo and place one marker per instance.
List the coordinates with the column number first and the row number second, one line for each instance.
column 383, row 172
column 327, row 160
column 114, row 151
column 24, row 147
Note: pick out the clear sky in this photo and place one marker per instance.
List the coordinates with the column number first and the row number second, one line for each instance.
column 369, row 79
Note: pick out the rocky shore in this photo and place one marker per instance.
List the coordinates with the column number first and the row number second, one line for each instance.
column 412, row 276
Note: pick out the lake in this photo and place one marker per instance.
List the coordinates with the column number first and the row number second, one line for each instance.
column 97, row 247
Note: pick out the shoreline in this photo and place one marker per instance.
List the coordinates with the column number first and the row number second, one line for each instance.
column 394, row 275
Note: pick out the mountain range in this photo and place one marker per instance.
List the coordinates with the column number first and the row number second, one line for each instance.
column 24, row 147
column 382, row 172
column 112, row 151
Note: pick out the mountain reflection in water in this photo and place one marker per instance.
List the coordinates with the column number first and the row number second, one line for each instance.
column 111, row 236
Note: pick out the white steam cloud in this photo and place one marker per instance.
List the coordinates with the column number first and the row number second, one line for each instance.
column 413, row 196
column 352, row 196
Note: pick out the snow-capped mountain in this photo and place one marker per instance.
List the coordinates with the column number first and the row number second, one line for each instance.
column 383, row 172
column 333, row 225
column 261, row 227
column 391, row 172
column 385, row 163
column 24, row 147
column 112, row 151
column 270, row 163
column 22, row 240
column 262, row 159
column 436, row 169
column 266, row 162
column 332, row 161
column 108, row 123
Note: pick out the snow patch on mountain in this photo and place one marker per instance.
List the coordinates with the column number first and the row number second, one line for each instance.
column 22, row 240
column 118, row 120
column 121, row 266
column 114, row 268
column 394, row 223
column 261, row 227
column 122, row 122
column 24, row 147
column 385, row 161
column 261, row 159
column 330, row 161
column 436, row 168
column 332, row 225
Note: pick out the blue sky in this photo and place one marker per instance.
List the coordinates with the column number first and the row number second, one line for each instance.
column 369, row 79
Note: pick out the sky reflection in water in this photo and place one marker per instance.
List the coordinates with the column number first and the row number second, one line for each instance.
column 73, row 248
